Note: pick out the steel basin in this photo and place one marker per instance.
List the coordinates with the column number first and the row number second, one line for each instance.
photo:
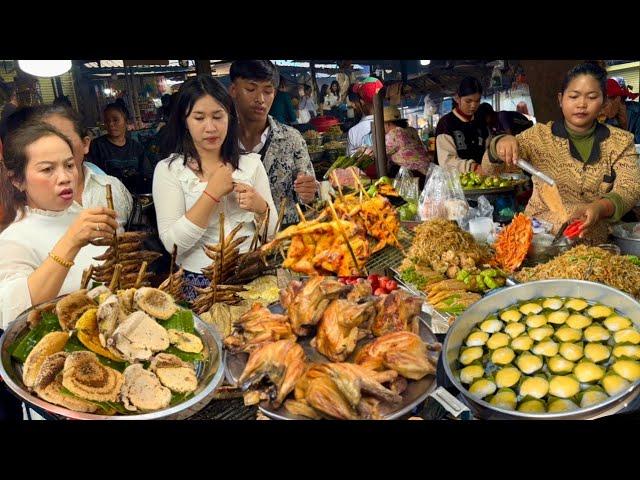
column 590, row 291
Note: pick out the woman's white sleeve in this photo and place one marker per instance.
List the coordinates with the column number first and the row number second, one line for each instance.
column 174, row 227
column 16, row 264
column 123, row 203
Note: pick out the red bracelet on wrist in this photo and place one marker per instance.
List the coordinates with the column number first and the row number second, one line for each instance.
column 211, row 197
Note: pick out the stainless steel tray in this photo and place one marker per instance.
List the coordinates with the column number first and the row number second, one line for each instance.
column 416, row 392
column 210, row 373
column 477, row 312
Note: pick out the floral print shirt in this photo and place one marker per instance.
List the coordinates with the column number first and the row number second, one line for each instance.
column 405, row 148
column 285, row 157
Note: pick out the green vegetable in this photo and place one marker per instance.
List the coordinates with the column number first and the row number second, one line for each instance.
column 633, row 259
column 490, row 283
column 20, row 349
column 181, row 320
column 489, row 273
column 186, row 356
column 410, row 275
column 480, row 282
column 462, row 274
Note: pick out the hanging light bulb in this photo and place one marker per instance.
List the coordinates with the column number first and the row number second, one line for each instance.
column 45, row 68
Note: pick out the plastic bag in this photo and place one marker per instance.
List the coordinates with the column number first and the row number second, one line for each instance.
column 406, row 185
column 443, row 197
column 483, row 210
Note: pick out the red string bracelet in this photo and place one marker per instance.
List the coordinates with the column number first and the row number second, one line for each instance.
column 211, row 197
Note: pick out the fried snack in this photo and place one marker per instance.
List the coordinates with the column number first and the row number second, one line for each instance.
column 513, row 243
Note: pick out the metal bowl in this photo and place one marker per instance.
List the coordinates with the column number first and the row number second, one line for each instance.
column 628, row 245
column 210, row 373
column 590, row 291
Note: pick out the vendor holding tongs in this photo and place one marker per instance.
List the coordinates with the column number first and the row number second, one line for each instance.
column 591, row 170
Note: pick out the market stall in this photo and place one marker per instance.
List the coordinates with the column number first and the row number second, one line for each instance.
column 350, row 314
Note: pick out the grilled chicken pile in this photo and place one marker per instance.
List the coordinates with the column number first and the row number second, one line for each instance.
column 130, row 254
column 337, row 316
column 318, row 247
column 124, row 327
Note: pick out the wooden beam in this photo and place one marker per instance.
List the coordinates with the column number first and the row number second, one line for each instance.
column 377, row 128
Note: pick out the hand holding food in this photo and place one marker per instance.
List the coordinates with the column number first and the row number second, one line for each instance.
column 91, row 224
column 306, row 187
column 249, row 199
column 592, row 213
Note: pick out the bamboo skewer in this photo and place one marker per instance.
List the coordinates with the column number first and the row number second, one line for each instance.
column 346, row 239
column 141, row 274
column 174, row 255
column 86, row 276
column 265, row 227
column 338, row 186
column 110, row 205
column 283, row 205
column 115, row 279
column 300, row 214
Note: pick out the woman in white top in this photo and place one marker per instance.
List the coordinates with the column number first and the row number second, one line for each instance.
column 91, row 189
column 206, row 176
column 307, row 108
column 46, row 246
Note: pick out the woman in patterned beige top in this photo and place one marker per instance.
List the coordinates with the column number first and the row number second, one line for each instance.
column 595, row 166
column 403, row 144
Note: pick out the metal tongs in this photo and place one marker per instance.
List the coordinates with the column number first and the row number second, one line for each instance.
column 527, row 167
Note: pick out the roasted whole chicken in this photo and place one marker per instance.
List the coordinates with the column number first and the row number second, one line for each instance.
column 397, row 311
column 341, row 390
column 305, row 303
column 338, row 330
column 404, row 352
column 282, row 362
column 256, row 327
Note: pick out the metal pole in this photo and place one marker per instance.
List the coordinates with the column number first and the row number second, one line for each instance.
column 377, row 127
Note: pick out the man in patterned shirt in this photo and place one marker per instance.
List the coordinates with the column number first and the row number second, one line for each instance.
column 282, row 148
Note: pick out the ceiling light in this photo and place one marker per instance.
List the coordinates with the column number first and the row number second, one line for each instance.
column 424, row 63
column 45, row 68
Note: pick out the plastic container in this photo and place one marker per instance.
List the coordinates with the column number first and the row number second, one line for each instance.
column 481, row 228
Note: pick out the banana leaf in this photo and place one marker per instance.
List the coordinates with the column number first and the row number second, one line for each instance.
column 186, row 356
column 181, row 320
column 21, row 348
column 75, row 345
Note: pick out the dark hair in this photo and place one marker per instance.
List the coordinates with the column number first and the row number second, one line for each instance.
column 587, row 68
column 44, row 111
column 118, row 106
column 261, row 70
column 483, row 110
column 335, row 82
column 14, row 164
column 179, row 141
column 307, row 88
column 17, row 119
column 469, row 86
column 402, row 123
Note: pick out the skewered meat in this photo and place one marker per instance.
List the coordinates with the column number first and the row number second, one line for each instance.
column 174, row 285
column 282, row 362
column 360, row 291
column 338, row 330
column 395, row 312
column 257, row 326
column 403, row 352
column 306, row 304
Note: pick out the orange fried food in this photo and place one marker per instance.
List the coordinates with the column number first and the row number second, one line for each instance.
column 395, row 312
column 513, row 243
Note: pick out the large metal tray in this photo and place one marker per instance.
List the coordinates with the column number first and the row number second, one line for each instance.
column 590, row 291
column 210, row 373
column 416, row 392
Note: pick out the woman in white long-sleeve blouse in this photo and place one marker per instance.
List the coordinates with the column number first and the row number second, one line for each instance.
column 206, row 176
column 46, row 244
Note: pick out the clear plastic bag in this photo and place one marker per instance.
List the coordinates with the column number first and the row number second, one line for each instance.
column 406, row 185
column 443, row 197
